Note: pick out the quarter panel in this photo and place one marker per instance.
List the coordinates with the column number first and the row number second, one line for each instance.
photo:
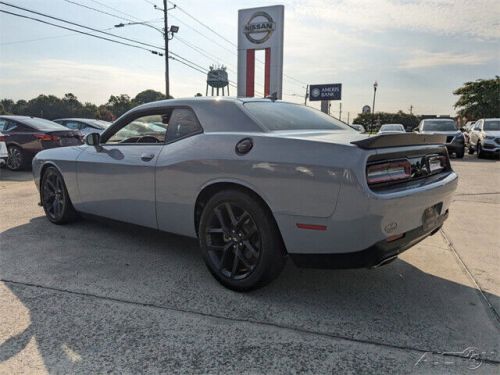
column 294, row 177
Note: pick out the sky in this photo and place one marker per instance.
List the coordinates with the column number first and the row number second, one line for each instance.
column 419, row 52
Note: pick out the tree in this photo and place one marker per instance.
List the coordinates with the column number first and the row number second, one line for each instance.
column 148, row 96
column 118, row 105
column 479, row 99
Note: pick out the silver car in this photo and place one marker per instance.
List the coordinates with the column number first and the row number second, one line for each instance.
column 84, row 125
column 455, row 139
column 485, row 137
column 392, row 128
column 256, row 181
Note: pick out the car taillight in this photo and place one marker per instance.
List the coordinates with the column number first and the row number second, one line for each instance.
column 47, row 137
column 388, row 172
column 2, row 138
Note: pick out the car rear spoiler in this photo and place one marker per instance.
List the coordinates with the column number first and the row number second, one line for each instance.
column 399, row 140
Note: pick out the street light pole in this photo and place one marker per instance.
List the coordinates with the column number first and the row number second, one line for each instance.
column 375, row 85
column 165, row 35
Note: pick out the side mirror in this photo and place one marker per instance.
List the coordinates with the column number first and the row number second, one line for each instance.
column 93, row 139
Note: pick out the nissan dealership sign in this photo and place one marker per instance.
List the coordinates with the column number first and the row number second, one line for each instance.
column 332, row 91
column 260, row 29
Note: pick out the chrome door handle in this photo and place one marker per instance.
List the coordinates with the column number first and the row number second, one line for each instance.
column 147, row 157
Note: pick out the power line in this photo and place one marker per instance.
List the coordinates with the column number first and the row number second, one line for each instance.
column 116, row 10
column 44, row 38
column 96, row 10
column 203, row 24
column 78, row 31
column 79, row 25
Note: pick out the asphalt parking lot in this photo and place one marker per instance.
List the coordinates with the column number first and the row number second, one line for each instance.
column 98, row 296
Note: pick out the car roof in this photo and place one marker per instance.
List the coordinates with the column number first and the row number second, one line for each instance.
column 438, row 119
column 200, row 99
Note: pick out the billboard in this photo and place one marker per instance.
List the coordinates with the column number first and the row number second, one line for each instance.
column 332, row 91
column 260, row 29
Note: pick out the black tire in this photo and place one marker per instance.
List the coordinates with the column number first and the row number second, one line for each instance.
column 240, row 241
column 480, row 153
column 470, row 150
column 16, row 159
column 55, row 198
column 460, row 154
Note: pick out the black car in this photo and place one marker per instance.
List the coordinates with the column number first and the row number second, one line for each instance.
column 84, row 125
column 25, row 136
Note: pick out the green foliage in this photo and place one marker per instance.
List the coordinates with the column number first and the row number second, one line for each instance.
column 51, row 107
column 409, row 121
column 148, row 96
column 479, row 99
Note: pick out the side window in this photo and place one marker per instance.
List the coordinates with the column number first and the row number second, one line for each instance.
column 146, row 129
column 182, row 123
column 8, row 126
column 3, row 124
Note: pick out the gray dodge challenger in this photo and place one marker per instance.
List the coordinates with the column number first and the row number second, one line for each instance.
column 256, row 181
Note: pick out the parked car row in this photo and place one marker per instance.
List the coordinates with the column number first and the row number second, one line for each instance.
column 22, row 137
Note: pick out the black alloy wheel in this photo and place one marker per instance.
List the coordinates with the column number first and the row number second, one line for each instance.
column 233, row 241
column 15, row 159
column 55, row 199
column 240, row 241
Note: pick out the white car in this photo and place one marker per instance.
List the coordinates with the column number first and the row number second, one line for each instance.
column 391, row 128
column 485, row 137
column 3, row 150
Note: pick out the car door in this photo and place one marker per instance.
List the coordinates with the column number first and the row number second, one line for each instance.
column 116, row 179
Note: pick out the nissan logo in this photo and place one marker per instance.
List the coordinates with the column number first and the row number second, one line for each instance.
column 259, row 28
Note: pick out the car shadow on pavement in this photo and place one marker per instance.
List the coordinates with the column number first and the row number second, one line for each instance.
column 86, row 287
column 8, row 175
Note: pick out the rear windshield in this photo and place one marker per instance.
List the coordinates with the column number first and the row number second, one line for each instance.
column 392, row 127
column 439, row 125
column 491, row 125
column 41, row 124
column 276, row 116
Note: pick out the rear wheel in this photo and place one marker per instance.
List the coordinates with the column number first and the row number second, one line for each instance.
column 16, row 159
column 240, row 241
column 470, row 149
column 55, row 198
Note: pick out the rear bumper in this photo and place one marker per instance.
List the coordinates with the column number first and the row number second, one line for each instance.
column 380, row 253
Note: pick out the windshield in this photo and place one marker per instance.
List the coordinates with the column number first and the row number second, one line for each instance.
column 439, row 125
column 492, row 125
column 41, row 124
column 276, row 116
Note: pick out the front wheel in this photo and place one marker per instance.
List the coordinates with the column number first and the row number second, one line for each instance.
column 480, row 153
column 240, row 241
column 55, row 198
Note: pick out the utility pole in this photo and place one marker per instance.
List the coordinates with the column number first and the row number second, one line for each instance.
column 307, row 94
column 375, row 85
column 411, row 109
column 167, row 79
column 340, row 111
column 348, row 114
